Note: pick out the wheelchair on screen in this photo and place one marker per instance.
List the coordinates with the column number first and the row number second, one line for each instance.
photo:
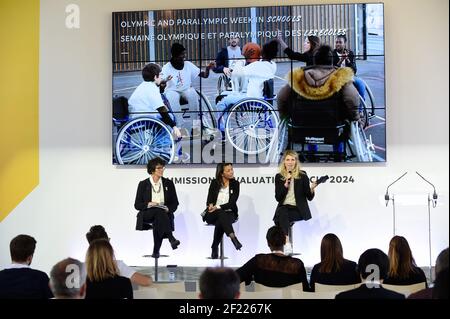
column 141, row 137
column 320, row 132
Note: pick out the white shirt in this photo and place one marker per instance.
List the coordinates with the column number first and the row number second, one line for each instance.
column 157, row 191
column 145, row 98
column 256, row 72
column 233, row 55
column 224, row 196
column 290, row 196
column 16, row 266
column 181, row 79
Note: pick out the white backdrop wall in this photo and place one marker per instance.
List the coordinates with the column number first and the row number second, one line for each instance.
column 79, row 186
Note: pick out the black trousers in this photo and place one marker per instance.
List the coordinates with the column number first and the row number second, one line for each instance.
column 162, row 225
column 224, row 224
column 285, row 215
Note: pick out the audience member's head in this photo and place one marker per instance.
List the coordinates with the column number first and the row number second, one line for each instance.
column 150, row 71
column 100, row 261
column 96, row 232
column 401, row 261
column 323, row 55
column 373, row 261
column 276, row 238
column 219, row 283
column 441, row 261
column 67, row 279
column 440, row 289
column 270, row 50
column 22, row 249
column 331, row 254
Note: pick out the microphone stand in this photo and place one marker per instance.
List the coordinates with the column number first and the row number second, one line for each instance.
column 434, row 202
column 388, row 198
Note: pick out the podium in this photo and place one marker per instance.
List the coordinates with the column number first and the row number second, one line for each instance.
column 414, row 200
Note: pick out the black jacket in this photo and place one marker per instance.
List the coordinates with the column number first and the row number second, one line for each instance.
column 364, row 292
column 302, row 193
column 144, row 196
column 213, row 193
column 221, row 61
column 350, row 57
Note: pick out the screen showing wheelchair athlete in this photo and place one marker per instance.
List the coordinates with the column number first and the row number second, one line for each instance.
column 180, row 74
column 317, row 101
column 146, row 99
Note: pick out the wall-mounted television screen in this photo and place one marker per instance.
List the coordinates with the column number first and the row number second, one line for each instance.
column 242, row 85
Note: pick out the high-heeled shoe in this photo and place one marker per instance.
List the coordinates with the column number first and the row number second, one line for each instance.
column 215, row 253
column 236, row 243
column 174, row 243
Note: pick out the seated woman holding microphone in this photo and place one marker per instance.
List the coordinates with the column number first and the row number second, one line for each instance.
column 221, row 209
column 292, row 189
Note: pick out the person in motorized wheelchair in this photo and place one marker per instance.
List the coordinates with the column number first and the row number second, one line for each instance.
column 146, row 99
column 318, row 101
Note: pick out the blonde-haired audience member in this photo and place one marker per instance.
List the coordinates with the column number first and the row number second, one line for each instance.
column 103, row 280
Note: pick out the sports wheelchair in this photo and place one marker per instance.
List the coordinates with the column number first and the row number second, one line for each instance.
column 141, row 137
column 249, row 124
column 323, row 134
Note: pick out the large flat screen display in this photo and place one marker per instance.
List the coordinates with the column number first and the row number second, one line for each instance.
column 242, row 85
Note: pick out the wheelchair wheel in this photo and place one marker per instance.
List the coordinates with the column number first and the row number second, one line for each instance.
column 280, row 143
column 143, row 139
column 251, row 125
column 224, row 84
column 367, row 110
column 359, row 144
column 207, row 112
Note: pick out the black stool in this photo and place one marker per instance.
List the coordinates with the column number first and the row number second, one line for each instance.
column 221, row 250
column 291, row 239
column 150, row 227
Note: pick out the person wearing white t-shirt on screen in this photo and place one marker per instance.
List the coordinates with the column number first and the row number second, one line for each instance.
column 99, row 232
column 180, row 74
column 146, row 99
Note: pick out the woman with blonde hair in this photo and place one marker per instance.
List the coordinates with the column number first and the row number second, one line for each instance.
column 103, row 280
column 292, row 190
column 402, row 266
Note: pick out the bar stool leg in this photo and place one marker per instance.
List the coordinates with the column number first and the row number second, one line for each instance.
column 156, row 269
column 221, row 253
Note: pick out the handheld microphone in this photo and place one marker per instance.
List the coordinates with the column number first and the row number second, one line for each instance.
column 289, row 179
column 386, row 196
column 435, row 196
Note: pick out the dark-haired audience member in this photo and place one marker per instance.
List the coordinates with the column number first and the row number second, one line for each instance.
column 310, row 46
column 18, row 280
column 99, row 232
column 103, row 280
column 333, row 268
column 219, row 283
column 402, row 267
column 441, row 264
column 274, row 269
column 68, row 279
column 146, row 99
column 256, row 73
column 156, row 200
column 221, row 209
column 373, row 265
column 440, row 289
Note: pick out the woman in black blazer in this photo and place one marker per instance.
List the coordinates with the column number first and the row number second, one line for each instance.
column 221, row 207
column 292, row 189
column 156, row 200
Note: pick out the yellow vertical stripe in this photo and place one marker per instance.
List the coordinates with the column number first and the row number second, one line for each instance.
column 19, row 101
